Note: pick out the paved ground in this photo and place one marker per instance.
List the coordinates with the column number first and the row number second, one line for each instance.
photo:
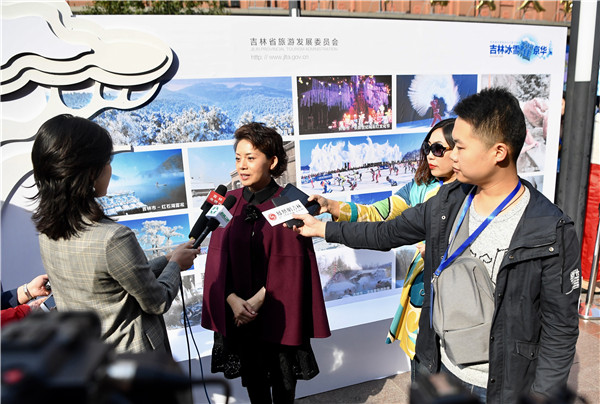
column 584, row 378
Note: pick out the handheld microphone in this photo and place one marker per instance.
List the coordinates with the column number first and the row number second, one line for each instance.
column 218, row 219
column 215, row 197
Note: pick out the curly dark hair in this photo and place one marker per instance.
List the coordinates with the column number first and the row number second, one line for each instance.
column 68, row 155
column 423, row 174
column 267, row 140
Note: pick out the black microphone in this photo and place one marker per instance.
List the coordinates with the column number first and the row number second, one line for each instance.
column 200, row 224
column 221, row 216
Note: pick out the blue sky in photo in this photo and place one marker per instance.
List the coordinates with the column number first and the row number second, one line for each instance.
column 281, row 83
column 130, row 164
column 211, row 164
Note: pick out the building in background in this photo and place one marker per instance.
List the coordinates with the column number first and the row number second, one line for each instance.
column 548, row 12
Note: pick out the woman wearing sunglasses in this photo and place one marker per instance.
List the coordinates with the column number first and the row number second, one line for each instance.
column 434, row 169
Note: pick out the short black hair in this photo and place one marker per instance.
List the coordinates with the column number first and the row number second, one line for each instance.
column 496, row 116
column 267, row 140
column 68, row 155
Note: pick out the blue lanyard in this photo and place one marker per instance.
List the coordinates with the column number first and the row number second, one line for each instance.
column 447, row 261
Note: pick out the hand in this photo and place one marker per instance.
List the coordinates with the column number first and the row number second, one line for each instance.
column 258, row 299
column 35, row 304
column 184, row 255
column 37, row 286
column 243, row 313
column 312, row 227
column 421, row 248
column 327, row 205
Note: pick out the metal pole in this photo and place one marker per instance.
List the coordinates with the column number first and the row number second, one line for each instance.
column 590, row 311
column 294, row 8
column 582, row 76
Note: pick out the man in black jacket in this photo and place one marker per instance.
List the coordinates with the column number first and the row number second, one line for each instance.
column 528, row 246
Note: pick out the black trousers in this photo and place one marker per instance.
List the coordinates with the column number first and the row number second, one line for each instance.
column 263, row 375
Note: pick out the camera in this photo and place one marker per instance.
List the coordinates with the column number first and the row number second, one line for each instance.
column 49, row 303
column 60, row 355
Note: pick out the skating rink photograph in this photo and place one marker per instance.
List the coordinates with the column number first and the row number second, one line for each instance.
column 362, row 164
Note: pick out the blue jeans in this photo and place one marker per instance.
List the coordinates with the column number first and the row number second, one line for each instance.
column 479, row 392
column 417, row 369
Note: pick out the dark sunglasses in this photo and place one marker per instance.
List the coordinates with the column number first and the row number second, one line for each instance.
column 437, row 149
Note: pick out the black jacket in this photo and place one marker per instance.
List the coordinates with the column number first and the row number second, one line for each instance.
column 535, row 325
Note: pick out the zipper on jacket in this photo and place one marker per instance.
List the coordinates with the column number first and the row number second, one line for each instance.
column 562, row 252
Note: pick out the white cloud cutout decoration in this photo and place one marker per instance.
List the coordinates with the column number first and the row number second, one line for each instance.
column 47, row 52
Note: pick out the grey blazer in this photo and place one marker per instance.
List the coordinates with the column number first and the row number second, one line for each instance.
column 103, row 269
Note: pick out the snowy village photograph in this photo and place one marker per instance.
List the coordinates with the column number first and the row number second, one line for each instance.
column 347, row 273
column 175, row 318
column 424, row 100
column 333, row 104
column 201, row 110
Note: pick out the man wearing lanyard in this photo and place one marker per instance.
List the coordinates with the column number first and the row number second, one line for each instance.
column 527, row 244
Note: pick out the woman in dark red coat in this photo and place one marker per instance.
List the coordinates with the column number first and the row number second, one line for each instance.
column 262, row 292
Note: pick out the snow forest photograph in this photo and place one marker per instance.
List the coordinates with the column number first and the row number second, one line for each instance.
column 201, row 110
column 424, row 100
column 332, row 104
column 362, row 164
column 533, row 93
column 161, row 234
column 145, row 181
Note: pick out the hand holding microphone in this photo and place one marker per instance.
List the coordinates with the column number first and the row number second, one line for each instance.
column 184, row 255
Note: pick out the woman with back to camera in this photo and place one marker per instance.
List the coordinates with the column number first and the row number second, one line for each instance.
column 262, row 291
column 94, row 263
column 433, row 170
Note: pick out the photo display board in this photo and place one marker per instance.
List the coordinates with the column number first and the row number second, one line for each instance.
column 353, row 100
